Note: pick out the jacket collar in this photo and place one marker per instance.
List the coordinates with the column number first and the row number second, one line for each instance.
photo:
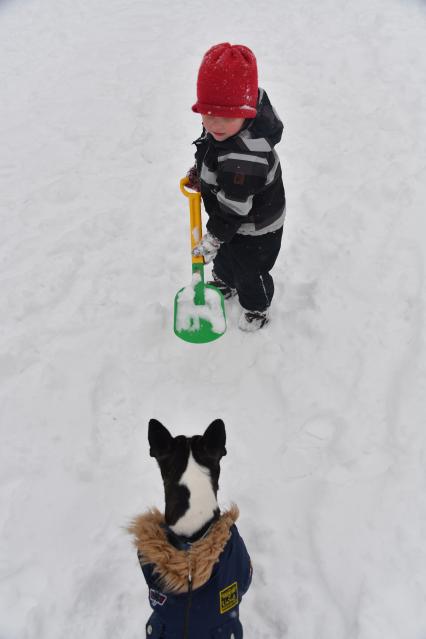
column 266, row 124
column 182, row 542
column 171, row 564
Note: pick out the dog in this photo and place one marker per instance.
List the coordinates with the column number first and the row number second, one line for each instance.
column 194, row 561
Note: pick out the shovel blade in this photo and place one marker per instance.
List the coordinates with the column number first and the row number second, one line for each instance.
column 199, row 323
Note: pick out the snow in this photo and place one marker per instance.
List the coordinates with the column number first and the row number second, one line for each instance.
column 325, row 409
column 188, row 314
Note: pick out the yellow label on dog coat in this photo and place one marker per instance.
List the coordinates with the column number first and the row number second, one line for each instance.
column 229, row 597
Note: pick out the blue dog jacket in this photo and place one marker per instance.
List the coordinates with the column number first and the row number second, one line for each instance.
column 220, row 570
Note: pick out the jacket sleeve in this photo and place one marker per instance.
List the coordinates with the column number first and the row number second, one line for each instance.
column 243, row 565
column 240, row 175
column 147, row 569
column 246, row 570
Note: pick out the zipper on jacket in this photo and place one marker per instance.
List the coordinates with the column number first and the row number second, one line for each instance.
column 188, row 605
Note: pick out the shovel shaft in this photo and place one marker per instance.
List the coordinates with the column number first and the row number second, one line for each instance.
column 198, row 325
column 195, row 219
column 199, row 297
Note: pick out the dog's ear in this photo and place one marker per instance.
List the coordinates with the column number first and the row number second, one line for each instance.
column 214, row 439
column 160, row 440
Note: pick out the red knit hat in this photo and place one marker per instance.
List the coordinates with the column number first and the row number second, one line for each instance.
column 227, row 82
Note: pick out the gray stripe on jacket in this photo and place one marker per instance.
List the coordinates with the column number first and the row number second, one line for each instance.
column 254, row 144
column 207, row 176
column 235, row 206
column 248, row 228
column 244, row 157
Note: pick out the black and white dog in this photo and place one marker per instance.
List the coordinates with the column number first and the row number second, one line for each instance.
column 194, row 561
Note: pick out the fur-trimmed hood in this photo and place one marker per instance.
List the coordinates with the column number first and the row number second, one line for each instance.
column 172, row 565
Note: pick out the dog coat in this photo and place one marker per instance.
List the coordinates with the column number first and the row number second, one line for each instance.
column 216, row 568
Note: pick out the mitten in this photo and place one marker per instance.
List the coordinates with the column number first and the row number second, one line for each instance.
column 207, row 247
column 194, row 181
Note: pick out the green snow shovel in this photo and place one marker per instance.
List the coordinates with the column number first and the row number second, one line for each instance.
column 199, row 308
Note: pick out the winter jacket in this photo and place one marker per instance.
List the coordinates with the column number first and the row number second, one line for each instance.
column 241, row 181
column 221, row 573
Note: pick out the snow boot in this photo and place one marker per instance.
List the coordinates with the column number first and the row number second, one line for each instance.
column 227, row 291
column 253, row 320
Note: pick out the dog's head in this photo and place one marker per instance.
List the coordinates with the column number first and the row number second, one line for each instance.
column 190, row 467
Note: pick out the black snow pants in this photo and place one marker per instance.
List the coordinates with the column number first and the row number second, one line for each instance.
column 244, row 263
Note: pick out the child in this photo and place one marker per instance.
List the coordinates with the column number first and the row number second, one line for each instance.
column 238, row 173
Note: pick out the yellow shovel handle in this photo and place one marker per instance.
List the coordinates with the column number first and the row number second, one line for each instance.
column 195, row 217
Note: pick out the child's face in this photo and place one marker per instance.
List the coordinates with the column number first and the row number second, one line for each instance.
column 221, row 128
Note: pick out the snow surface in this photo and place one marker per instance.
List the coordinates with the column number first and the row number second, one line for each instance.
column 325, row 409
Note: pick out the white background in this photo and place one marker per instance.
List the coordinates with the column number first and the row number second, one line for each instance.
column 325, row 409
